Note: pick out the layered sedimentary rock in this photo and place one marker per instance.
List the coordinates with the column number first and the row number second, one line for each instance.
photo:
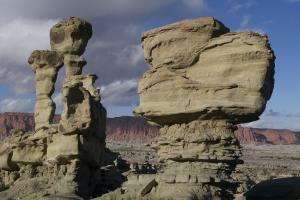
column 202, row 81
column 45, row 65
column 197, row 71
column 58, row 161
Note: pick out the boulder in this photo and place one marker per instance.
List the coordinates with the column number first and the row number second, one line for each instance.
column 70, row 36
column 198, row 70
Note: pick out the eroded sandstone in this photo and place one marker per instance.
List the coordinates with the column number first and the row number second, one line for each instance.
column 202, row 81
column 198, row 70
column 58, row 161
column 45, row 64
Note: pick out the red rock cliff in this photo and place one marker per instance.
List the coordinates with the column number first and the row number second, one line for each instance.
column 133, row 129
column 247, row 135
column 130, row 129
column 9, row 121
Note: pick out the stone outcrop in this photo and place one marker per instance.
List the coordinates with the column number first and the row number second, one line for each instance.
column 45, row 65
column 58, row 161
column 70, row 36
column 197, row 71
column 202, row 81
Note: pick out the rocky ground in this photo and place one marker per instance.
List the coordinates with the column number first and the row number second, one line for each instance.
column 273, row 156
column 270, row 156
column 261, row 162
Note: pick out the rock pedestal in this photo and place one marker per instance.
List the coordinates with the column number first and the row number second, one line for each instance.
column 197, row 158
column 58, row 161
column 202, row 81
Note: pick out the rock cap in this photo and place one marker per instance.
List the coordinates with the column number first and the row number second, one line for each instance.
column 70, row 36
column 45, row 58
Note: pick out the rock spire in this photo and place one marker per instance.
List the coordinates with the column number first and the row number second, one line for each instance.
column 58, row 161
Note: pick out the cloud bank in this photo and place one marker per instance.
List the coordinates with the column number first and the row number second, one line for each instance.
column 114, row 53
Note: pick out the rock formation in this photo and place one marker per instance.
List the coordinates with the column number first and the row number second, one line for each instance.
column 58, row 161
column 200, row 58
column 202, row 81
column 45, row 65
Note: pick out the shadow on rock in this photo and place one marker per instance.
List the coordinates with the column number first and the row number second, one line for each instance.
column 112, row 174
column 283, row 188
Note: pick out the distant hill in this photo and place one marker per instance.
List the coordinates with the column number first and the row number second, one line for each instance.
column 134, row 129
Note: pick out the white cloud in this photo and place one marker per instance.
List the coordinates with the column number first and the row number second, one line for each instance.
column 86, row 9
column 120, row 93
column 114, row 52
column 245, row 26
column 132, row 54
column 245, row 21
column 16, row 105
column 18, row 38
column 239, row 6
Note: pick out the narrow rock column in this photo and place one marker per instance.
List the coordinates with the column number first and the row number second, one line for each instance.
column 83, row 118
column 45, row 64
column 202, row 81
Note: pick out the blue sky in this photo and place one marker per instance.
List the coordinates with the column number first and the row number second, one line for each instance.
column 115, row 55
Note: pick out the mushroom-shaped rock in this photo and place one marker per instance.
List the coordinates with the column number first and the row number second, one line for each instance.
column 202, row 80
column 71, row 36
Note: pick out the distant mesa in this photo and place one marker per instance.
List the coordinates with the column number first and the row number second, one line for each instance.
column 137, row 130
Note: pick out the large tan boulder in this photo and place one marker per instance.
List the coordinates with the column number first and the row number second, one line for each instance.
column 70, row 36
column 200, row 71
